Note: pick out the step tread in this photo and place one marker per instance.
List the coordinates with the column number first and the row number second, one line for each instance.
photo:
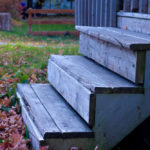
column 119, row 37
column 93, row 76
column 61, row 115
column 37, row 112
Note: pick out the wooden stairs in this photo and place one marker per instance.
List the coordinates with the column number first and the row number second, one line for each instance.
column 96, row 98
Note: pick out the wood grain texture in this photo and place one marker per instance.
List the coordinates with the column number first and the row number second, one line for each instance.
column 35, row 135
column 117, row 37
column 37, row 112
column 119, row 114
column 93, row 76
column 74, row 92
column 120, row 60
column 137, row 22
column 66, row 119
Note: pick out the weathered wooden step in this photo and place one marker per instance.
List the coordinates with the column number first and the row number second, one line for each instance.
column 35, row 135
column 118, row 50
column 78, row 79
column 49, row 112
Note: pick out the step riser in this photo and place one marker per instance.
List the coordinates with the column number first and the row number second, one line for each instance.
column 74, row 93
column 37, row 139
column 66, row 144
column 136, row 22
column 117, row 115
column 127, row 63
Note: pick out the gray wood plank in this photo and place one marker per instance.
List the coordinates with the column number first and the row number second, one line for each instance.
column 120, row 60
column 107, row 13
column 70, row 124
column 136, row 22
column 148, row 6
column 98, row 12
column 126, row 5
column 94, row 77
column 76, row 12
column 113, row 13
column 89, row 12
column 37, row 112
column 102, row 13
column 35, row 135
column 143, row 6
column 93, row 12
column 134, row 6
column 121, row 38
column 80, row 98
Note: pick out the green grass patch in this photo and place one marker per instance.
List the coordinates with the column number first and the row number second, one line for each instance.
column 26, row 53
column 20, row 34
column 26, row 58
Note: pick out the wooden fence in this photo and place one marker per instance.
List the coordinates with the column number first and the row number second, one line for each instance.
column 31, row 21
column 95, row 12
column 141, row 6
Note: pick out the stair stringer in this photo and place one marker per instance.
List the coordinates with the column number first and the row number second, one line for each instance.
column 117, row 115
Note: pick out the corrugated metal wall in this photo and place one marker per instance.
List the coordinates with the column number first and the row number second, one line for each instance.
column 96, row 12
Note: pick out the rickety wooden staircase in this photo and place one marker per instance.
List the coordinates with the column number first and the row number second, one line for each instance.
column 96, row 98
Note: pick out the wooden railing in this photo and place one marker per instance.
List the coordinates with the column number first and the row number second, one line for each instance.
column 141, row 6
column 95, row 12
column 31, row 21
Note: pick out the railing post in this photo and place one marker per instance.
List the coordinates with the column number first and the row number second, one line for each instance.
column 89, row 12
column 126, row 5
column 102, row 14
column 93, row 12
column 143, row 6
column 76, row 12
column 98, row 4
column 113, row 13
column 148, row 6
column 134, row 6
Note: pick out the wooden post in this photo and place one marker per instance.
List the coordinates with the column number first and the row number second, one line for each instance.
column 30, row 19
column 5, row 22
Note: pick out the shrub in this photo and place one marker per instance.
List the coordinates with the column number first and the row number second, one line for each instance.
column 11, row 6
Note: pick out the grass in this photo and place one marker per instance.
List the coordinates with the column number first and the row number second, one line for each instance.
column 20, row 34
column 26, row 55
